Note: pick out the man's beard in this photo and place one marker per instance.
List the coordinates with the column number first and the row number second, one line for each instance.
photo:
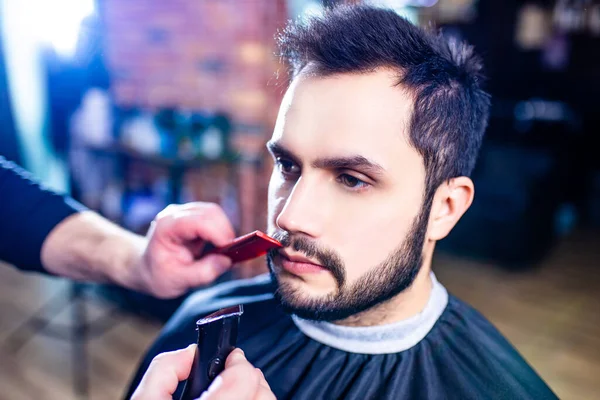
column 394, row 275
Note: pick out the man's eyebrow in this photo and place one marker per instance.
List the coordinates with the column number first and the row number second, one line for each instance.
column 354, row 162
column 278, row 149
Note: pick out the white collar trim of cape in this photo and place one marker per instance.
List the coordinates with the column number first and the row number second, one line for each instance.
column 382, row 339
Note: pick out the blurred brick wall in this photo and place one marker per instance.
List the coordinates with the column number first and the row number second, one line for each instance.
column 195, row 54
column 203, row 55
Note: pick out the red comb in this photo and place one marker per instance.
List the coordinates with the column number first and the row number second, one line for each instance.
column 247, row 247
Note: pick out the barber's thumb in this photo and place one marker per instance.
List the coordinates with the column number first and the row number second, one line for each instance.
column 236, row 357
column 164, row 374
column 239, row 380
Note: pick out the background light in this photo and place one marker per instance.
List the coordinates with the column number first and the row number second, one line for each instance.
column 56, row 23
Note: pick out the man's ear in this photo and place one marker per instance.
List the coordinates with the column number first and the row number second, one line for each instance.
column 450, row 202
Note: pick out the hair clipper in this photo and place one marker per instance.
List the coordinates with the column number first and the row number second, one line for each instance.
column 217, row 336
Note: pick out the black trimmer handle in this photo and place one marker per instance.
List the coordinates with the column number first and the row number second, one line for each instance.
column 217, row 337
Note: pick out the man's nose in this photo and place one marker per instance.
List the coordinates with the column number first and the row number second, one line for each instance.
column 303, row 211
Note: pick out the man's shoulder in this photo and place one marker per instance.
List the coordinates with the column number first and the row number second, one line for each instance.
column 471, row 325
column 475, row 348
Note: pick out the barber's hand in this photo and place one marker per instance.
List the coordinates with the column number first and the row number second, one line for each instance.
column 164, row 374
column 239, row 381
column 168, row 266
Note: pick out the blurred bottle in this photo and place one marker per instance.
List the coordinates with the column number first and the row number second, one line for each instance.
column 91, row 124
column 166, row 121
column 141, row 134
column 197, row 127
column 214, row 140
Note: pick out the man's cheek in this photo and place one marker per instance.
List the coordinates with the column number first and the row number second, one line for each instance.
column 274, row 199
column 362, row 254
column 379, row 234
column 356, row 265
column 278, row 195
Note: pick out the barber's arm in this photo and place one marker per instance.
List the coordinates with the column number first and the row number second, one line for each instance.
column 239, row 381
column 85, row 246
column 41, row 230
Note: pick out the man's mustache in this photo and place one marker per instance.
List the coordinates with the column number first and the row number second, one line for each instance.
column 327, row 258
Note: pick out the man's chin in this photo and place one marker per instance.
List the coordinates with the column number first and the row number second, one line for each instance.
column 294, row 299
column 308, row 307
column 306, row 288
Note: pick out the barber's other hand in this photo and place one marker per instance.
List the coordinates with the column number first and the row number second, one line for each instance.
column 239, row 381
column 168, row 266
column 164, row 374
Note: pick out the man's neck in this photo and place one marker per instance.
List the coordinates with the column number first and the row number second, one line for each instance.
column 404, row 305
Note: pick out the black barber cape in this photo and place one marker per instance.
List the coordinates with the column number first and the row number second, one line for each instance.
column 448, row 351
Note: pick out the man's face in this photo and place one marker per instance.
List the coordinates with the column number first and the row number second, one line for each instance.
column 346, row 195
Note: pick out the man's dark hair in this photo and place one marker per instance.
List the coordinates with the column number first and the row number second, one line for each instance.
column 444, row 77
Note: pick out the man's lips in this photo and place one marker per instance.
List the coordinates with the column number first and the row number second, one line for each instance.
column 297, row 258
column 299, row 265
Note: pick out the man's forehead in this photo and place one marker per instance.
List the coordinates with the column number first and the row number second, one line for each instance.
column 343, row 115
column 368, row 91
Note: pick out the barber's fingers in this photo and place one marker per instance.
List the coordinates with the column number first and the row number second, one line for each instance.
column 264, row 394
column 237, row 357
column 204, row 271
column 188, row 222
column 262, row 381
column 239, row 381
column 164, row 374
column 238, row 388
column 170, row 266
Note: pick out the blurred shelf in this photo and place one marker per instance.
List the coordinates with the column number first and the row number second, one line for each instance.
column 176, row 167
column 163, row 161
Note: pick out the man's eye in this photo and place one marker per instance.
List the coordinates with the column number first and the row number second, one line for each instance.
column 352, row 182
column 287, row 167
